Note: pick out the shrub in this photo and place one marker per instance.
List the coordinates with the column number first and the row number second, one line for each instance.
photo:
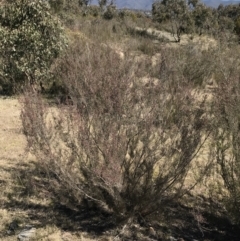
column 124, row 144
column 57, row 5
column 110, row 12
column 227, row 128
column 237, row 26
column 94, row 11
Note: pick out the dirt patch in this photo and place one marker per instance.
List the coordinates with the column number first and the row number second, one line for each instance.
column 204, row 42
column 12, row 140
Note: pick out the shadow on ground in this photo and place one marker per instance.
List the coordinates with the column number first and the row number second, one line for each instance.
column 174, row 221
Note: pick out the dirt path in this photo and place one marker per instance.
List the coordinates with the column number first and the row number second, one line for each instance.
column 12, row 145
column 12, row 141
column 204, row 42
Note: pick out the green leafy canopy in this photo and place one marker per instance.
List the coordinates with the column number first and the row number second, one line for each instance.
column 30, row 39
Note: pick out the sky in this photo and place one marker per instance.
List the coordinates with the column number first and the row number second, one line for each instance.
column 216, row 3
column 147, row 4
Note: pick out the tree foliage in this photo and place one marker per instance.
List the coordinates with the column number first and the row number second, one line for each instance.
column 175, row 11
column 192, row 16
column 102, row 3
column 30, row 39
column 237, row 26
column 57, row 5
column 203, row 18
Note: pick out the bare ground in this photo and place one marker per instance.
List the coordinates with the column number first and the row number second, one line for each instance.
column 15, row 202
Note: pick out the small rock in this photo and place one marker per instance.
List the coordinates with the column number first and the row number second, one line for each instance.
column 67, row 236
column 27, row 233
column 172, row 238
column 152, row 232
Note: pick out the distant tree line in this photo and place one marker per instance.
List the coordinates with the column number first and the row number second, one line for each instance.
column 192, row 16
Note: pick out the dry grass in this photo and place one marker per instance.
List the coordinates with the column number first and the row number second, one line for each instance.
column 11, row 151
column 37, row 209
column 13, row 158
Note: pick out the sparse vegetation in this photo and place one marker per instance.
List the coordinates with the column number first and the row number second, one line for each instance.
column 129, row 145
column 226, row 138
column 135, row 136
